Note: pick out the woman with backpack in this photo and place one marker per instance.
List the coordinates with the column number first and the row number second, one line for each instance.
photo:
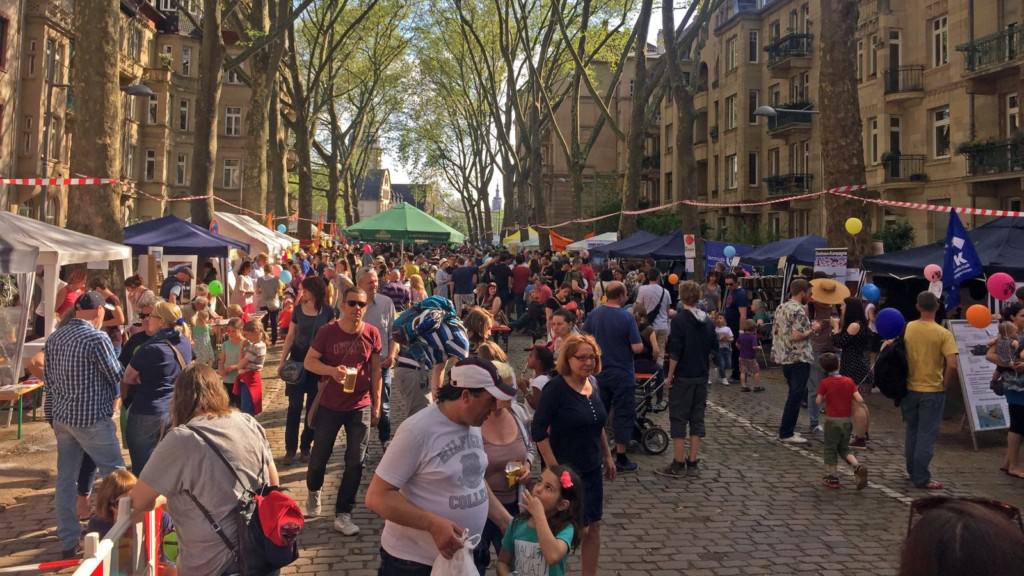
column 188, row 471
column 310, row 315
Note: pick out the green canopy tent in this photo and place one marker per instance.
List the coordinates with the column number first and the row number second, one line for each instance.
column 404, row 223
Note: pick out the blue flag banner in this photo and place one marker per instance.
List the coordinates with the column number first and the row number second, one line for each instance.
column 960, row 261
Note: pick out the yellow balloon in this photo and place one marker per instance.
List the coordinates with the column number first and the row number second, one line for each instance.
column 854, row 226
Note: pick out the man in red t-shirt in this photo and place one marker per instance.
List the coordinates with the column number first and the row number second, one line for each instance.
column 337, row 347
column 838, row 393
column 520, row 278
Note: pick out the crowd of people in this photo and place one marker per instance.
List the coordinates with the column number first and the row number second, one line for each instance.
column 519, row 458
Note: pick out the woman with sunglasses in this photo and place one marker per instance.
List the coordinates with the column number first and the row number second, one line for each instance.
column 568, row 428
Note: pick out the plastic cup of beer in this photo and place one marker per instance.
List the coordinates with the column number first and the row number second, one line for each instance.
column 349, row 385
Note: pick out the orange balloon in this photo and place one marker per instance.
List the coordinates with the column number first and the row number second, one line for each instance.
column 673, row 279
column 979, row 316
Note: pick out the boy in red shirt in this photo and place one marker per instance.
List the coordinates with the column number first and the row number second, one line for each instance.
column 838, row 393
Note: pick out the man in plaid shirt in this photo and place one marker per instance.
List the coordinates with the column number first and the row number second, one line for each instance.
column 82, row 378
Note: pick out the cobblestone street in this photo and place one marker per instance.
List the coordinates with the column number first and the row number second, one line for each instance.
column 757, row 507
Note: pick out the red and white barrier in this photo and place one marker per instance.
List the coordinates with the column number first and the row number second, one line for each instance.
column 58, row 181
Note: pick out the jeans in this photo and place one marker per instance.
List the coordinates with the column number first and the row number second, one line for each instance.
column 813, row 410
column 384, row 425
column 391, row 566
column 922, row 413
column 734, row 352
column 328, row 424
column 270, row 318
column 99, row 441
column 414, row 388
column 723, row 359
column 299, row 395
column 245, row 401
column 618, row 392
column 796, row 377
column 86, row 476
column 142, row 433
column 519, row 300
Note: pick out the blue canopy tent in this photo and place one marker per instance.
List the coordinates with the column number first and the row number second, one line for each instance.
column 632, row 241
column 178, row 237
column 667, row 247
column 714, row 252
column 796, row 250
column 999, row 243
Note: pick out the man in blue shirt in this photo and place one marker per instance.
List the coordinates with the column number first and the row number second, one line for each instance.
column 736, row 305
column 464, row 281
column 82, row 377
column 617, row 334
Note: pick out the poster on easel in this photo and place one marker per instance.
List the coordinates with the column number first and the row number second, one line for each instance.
column 985, row 410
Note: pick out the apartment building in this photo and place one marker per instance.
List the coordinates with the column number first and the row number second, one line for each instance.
column 10, row 50
column 605, row 168
column 938, row 87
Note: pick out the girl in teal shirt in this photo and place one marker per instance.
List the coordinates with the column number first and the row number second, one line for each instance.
column 538, row 542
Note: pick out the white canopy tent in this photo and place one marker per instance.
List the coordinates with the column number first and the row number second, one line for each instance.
column 259, row 237
column 58, row 247
column 292, row 241
column 588, row 243
column 17, row 266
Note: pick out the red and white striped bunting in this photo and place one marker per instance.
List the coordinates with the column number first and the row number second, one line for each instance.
column 935, row 207
column 58, row 181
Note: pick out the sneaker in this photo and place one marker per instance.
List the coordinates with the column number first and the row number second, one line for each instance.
column 289, row 458
column 831, row 482
column 313, row 504
column 692, row 467
column 758, row 388
column 817, row 429
column 744, row 388
column 861, row 472
column 304, row 457
column 70, row 553
column 673, row 470
column 725, row 382
column 626, row 465
column 794, row 439
column 859, row 442
column 343, row 523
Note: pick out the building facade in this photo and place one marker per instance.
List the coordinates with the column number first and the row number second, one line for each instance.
column 11, row 24
column 938, row 87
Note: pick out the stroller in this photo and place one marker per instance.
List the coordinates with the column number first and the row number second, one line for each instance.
column 651, row 437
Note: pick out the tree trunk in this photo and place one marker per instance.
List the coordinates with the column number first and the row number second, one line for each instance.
column 351, row 199
column 686, row 164
column 277, row 200
column 204, row 149
column 333, row 177
column 637, row 126
column 97, row 129
column 840, row 124
column 257, row 121
column 538, row 214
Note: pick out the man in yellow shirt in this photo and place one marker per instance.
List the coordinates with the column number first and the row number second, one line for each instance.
column 931, row 364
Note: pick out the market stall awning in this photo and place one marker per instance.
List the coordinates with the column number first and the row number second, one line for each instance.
column 404, row 223
column 17, row 256
column 256, row 235
column 178, row 236
column 631, row 241
column 796, row 250
column 1000, row 245
column 593, row 242
column 58, row 245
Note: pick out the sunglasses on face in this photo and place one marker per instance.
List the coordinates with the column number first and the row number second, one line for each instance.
column 355, row 304
column 921, row 506
column 143, row 315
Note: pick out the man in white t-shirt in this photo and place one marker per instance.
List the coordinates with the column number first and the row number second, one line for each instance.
column 429, row 486
column 654, row 297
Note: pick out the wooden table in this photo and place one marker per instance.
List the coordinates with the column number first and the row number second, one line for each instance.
column 17, row 392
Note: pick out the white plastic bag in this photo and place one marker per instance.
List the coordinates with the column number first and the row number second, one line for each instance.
column 461, row 563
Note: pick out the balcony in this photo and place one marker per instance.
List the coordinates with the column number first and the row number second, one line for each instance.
column 904, row 83
column 652, row 162
column 786, row 123
column 791, row 52
column 904, row 167
column 993, row 53
column 994, row 156
column 789, row 184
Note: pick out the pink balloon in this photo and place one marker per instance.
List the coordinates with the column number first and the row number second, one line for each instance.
column 1001, row 286
column 932, row 272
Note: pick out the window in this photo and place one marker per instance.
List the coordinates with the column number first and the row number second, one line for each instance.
column 938, row 222
column 233, row 121
column 730, row 112
column 775, row 95
column 186, row 60
column 56, row 135
column 26, row 135
column 730, row 54
column 232, row 77
column 151, row 115
column 128, row 169
column 4, row 29
column 183, row 113
column 753, row 101
column 795, row 89
column 30, row 66
column 150, row 165
column 752, row 179
column 775, row 31
column 860, row 60
column 895, row 126
column 134, row 42
column 940, row 41
column 669, row 140
column 773, row 162
column 167, row 5
column 1012, row 114
column 731, row 171
column 940, row 132
column 774, row 225
column 181, row 170
column 794, row 158
column 873, row 56
column 229, row 177
column 873, row 140
column 1013, row 204
column 668, row 186
column 753, row 46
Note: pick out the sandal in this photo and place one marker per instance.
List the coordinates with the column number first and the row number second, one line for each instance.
column 861, row 472
column 744, row 388
column 1014, row 474
column 831, row 482
column 758, row 388
column 932, row 485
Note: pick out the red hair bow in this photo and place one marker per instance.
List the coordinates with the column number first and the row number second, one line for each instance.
column 565, row 479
